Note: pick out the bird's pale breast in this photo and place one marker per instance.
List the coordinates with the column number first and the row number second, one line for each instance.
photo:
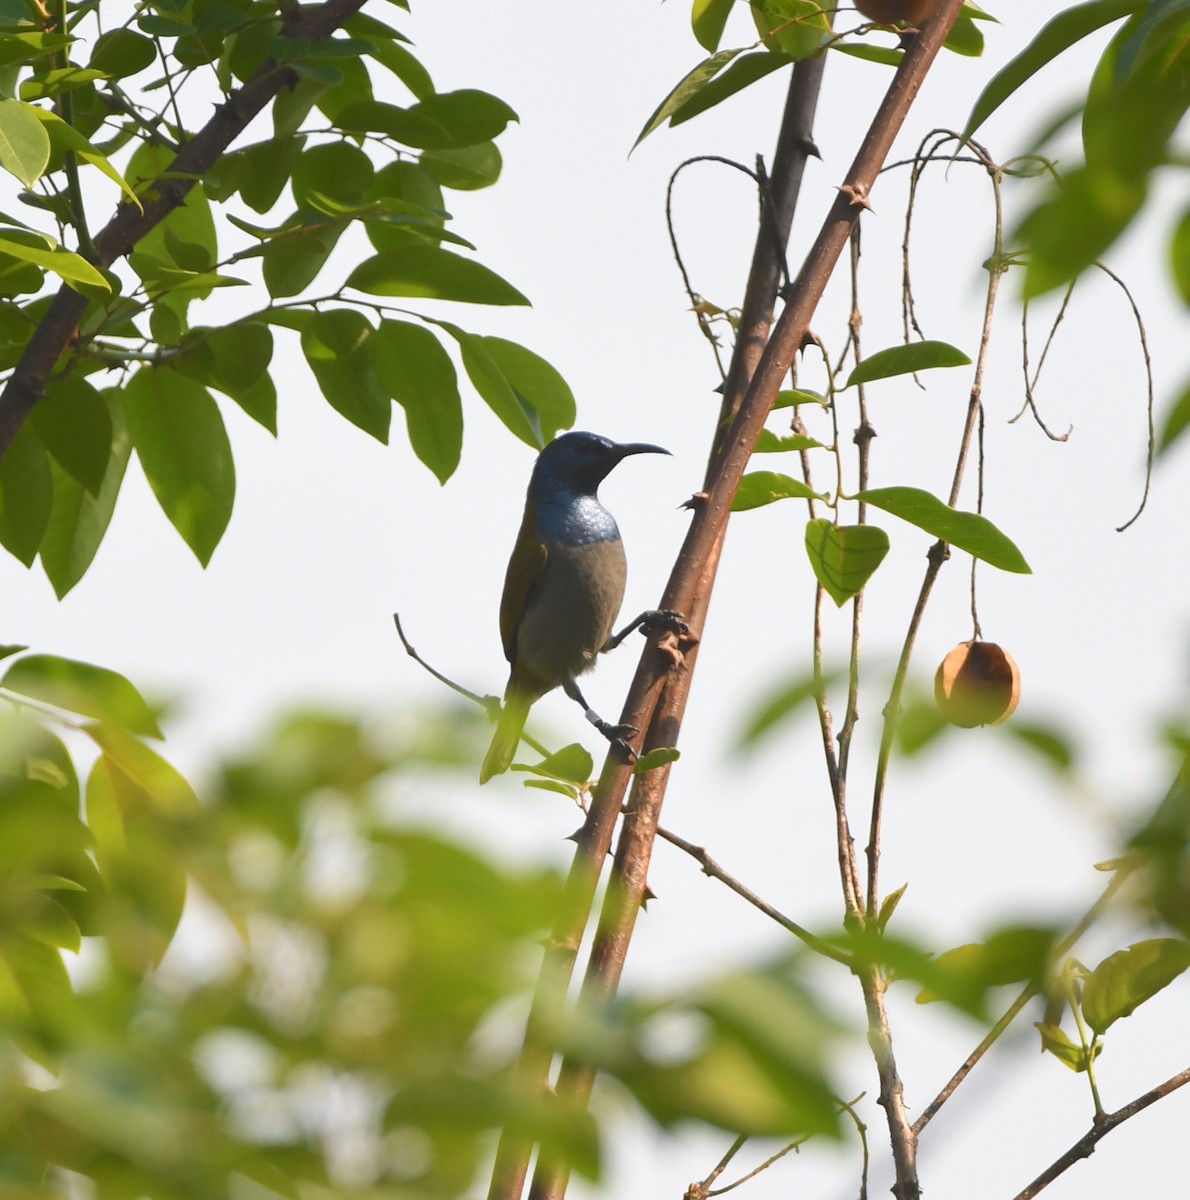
column 572, row 612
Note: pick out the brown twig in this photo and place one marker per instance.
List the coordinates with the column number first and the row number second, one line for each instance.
column 658, row 701
column 713, row 869
column 131, row 222
column 1085, row 1146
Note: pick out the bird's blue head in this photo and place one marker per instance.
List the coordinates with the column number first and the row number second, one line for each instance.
column 582, row 461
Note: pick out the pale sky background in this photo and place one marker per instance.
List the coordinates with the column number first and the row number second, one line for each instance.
column 332, row 532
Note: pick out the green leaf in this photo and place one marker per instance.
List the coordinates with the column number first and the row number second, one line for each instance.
column 64, row 137
column 425, row 270
column 745, row 71
column 1057, row 1043
column 180, row 439
column 78, row 520
column 966, row 530
column 662, row 756
column 83, row 688
column 758, row 488
column 292, row 263
column 242, row 353
column 888, row 906
column 775, row 707
column 792, row 398
column 772, row 443
column 337, row 344
column 1176, row 422
column 44, row 252
column 75, row 426
column 1179, row 256
column 412, row 367
column 1047, row 741
column 906, row 360
column 467, row 117
column 24, row 144
column 536, row 384
column 26, row 495
column 123, row 52
column 1068, row 27
column 688, row 87
column 158, row 779
column 55, row 83
column 336, row 169
column 465, row 170
column 844, row 557
column 1128, row 978
column 965, row 38
column 1014, row 954
column 493, row 386
column 571, row 764
column 708, row 18
column 799, row 27
column 1075, row 225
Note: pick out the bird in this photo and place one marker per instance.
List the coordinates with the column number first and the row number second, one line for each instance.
column 893, row 12
column 564, row 587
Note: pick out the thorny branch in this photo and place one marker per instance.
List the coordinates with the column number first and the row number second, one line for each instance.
column 658, row 696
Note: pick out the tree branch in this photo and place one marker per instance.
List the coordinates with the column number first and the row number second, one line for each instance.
column 1085, row 1146
column 657, row 702
column 58, row 328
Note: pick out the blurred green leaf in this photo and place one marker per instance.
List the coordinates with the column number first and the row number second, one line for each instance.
column 782, row 701
column 1014, row 954
column 83, row 688
column 844, row 557
column 1176, row 422
column 798, row 27
column 968, row 531
column 1070, row 26
column 1128, row 978
column 1179, row 256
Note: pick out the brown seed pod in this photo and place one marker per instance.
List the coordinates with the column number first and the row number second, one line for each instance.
column 977, row 684
column 891, row 12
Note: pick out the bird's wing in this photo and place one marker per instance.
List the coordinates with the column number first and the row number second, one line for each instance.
column 523, row 577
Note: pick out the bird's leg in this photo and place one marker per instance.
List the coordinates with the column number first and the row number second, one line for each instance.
column 651, row 621
column 618, row 735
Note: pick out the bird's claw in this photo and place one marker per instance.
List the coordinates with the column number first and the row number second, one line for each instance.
column 621, row 747
column 618, row 736
column 664, row 620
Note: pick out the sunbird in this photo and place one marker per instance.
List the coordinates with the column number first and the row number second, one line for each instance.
column 563, row 587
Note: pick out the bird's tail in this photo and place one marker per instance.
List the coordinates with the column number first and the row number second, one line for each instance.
column 507, row 736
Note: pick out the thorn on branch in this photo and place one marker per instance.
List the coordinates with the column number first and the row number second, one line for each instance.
column 857, row 195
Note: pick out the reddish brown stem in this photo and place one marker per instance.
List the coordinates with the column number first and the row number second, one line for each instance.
column 693, row 578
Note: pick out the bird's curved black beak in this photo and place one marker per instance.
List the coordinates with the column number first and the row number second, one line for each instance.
column 624, row 449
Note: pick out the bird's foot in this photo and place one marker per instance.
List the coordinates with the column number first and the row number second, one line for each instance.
column 663, row 620
column 618, row 736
